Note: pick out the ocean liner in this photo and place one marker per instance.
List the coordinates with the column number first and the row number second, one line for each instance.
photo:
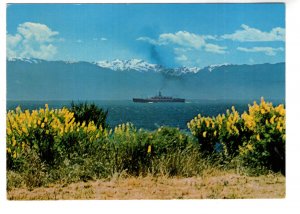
column 158, row 99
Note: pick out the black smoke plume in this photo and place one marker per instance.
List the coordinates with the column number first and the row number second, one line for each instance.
column 169, row 74
column 155, row 56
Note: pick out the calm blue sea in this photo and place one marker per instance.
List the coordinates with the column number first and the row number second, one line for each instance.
column 147, row 115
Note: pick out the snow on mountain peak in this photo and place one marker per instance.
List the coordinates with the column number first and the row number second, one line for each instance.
column 212, row 67
column 187, row 69
column 24, row 59
column 142, row 66
column 132, row 64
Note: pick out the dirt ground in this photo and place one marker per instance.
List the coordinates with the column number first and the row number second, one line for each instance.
column 205, row 187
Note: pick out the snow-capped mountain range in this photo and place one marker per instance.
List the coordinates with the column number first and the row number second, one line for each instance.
column 132, row 65
column 24, row 59
column 142, row 66
column 35, row 79
column 126, row 65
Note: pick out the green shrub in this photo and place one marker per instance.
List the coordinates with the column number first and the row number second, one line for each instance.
column 51, row 134
column 138, row 151
column 168, row 140
column 88, row 113
column 129, row 150
column 258, row 136
column 231, row 132
column 266, row 145
column 46, row 146
column 226, row 130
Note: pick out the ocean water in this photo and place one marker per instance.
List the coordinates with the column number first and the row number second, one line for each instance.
column 147, row 115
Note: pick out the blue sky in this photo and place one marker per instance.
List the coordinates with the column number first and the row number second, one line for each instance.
column 168, row 34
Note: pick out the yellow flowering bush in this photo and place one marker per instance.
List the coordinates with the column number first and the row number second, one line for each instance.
column 231, row 132
column 205, row 129
column 258, row 135
column 49, row 133
column 225, row 130
column 54, row 136
column 266, row 127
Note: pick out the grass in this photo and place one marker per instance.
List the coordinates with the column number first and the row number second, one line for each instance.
column 213, row 184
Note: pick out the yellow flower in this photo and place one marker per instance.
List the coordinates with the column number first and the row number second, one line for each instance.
column 8, row 150
column 250, row 147
column 204, row 134
column 272, row 119
column 282, row 112
column 258, row 137
column 207, row 123
column 149, row 149
column 24, row 130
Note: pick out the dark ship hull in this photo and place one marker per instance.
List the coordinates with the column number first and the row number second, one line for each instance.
column 159, row 99
column 151, row 100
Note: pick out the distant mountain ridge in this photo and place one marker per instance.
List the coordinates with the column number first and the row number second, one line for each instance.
column 141, row 65
column 36, row 79
column 127, row 65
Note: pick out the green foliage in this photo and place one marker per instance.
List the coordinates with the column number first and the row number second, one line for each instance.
column 51, row 134
column 226, row 129
column 89, row 112
column 258, row 136
column 135, row 151
column 203, row 128
column 266, row 145
column 46, row 146
column 128, row 149
column 166, row 140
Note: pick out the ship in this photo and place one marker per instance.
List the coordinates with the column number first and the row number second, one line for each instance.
column 158, row 99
